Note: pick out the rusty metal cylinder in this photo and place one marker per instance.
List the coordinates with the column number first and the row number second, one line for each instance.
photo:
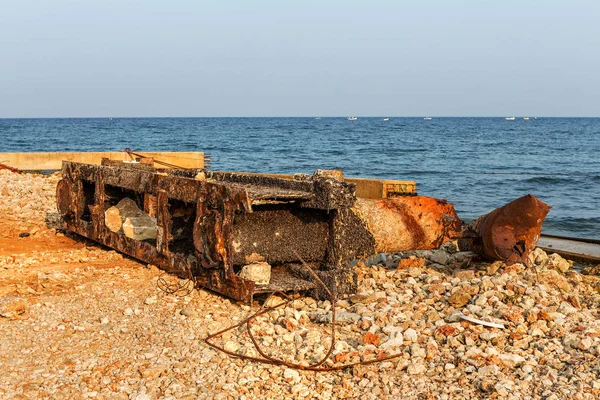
column 408, row 223
column 508, row 233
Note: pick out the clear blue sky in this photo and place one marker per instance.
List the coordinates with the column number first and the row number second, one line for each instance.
column 305, row 58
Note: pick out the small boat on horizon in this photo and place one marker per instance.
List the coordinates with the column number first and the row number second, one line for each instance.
column 526, row 118
column 510, row 118
column 385, row 118
column 427, row 118
column 318, row 118
column 352, row 118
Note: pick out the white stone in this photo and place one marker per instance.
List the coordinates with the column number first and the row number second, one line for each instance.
column 416, row 368
column 291, row 375
column 558, row 263
column 395, row 341
column 538, row 256
column 585, row 343
column 231, row 346
column 259, row 272
column 511, row 360
column 571, row 340
column 536, row 332
column 566, row 308
column 410, row 335
column 488, row 370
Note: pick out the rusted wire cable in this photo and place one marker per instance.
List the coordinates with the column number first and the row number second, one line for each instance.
column 266, row 359
column 8, row 167
column 178, row 289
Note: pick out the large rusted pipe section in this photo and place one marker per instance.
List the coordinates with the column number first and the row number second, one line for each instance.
column 408, row 223
column 508, row 233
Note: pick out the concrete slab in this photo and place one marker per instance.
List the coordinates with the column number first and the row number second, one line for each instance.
column 570, row 248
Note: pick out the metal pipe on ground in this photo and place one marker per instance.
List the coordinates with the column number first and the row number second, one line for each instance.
column 408, row 223
column 508, row 233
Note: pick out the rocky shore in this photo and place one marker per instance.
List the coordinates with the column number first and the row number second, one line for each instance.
column 81, row 321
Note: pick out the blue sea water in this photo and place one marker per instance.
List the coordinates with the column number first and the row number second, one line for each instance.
column 476, row 163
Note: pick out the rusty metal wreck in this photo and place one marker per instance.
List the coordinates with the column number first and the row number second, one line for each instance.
column 210, row 224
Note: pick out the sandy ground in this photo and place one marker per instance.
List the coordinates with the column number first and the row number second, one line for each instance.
column 81, row 321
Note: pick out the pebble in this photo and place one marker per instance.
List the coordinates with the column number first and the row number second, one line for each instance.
column 291, row 375
column 416, row 369
column 511, row 360
column 459, row 299
column 188, row 312
column 439, row 257
column 410, row 335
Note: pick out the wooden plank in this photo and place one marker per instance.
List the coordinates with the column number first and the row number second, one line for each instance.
column 367, row 188
column 53, row 160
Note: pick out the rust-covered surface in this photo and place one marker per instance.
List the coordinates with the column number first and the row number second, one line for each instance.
column 508, row 233
column 209, row 224
column 408, row 223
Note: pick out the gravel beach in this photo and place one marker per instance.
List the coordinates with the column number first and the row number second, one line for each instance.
column 79, row 320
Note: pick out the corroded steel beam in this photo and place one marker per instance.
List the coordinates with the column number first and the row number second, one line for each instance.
column 210, row 224
column 508, row 233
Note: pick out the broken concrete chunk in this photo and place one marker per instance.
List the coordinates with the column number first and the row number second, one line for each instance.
column 140, row 228
column 116, row 215
column 259, row 272
column 126, row 217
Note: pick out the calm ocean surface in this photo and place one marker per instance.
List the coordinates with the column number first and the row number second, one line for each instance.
column 476, row 163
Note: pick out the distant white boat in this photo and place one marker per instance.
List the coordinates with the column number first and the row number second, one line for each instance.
column 318, row 118
column 352, row 118
column 385, row 118
column 427, row 118
column 110, row 119
column 510, row 118
column 526, row 118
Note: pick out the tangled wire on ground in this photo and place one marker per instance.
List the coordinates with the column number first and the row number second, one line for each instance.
column 181, row 287
column 267, row 359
